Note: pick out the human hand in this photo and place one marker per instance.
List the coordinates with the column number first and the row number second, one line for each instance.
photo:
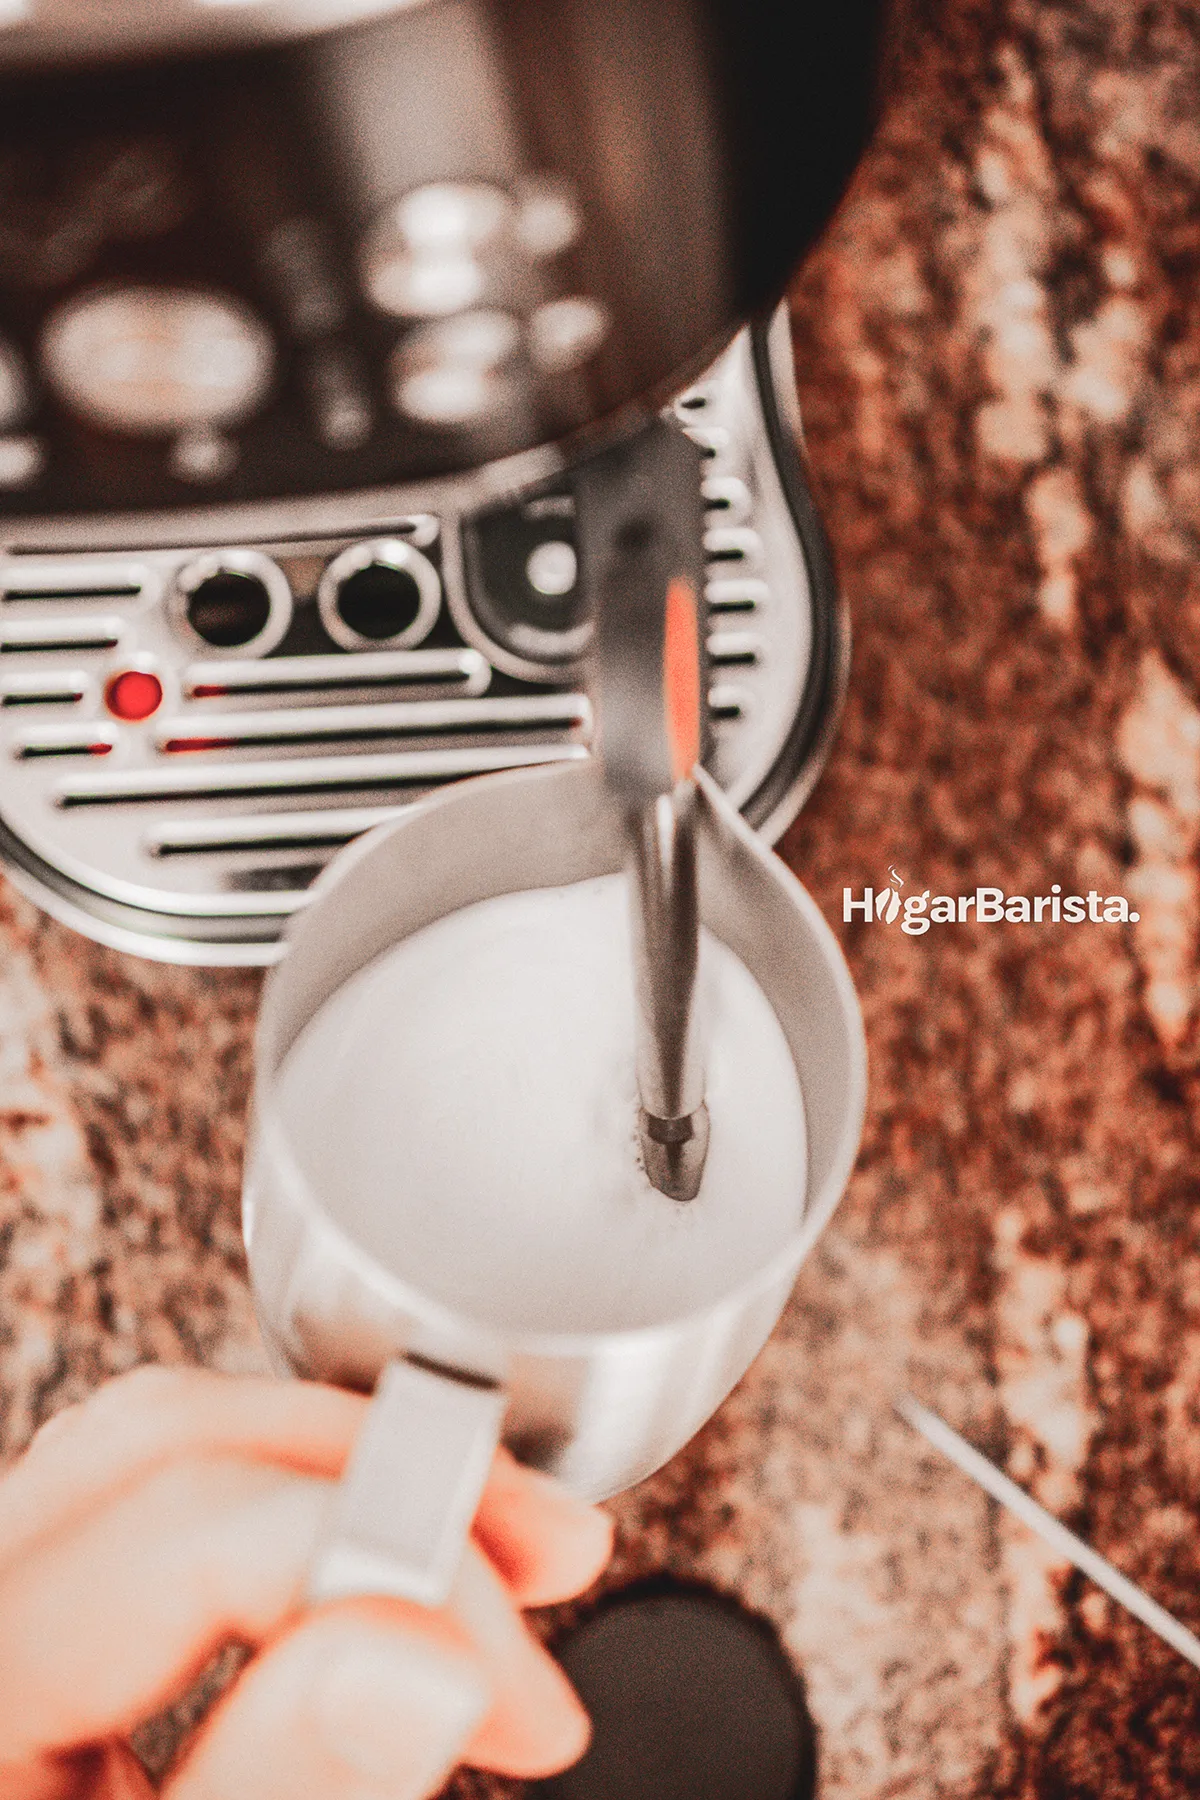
column 176, row 1510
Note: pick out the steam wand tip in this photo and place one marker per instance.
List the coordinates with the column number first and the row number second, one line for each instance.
column 674, row 1152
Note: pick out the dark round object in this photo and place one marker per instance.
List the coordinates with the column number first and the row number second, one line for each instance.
column 379, row 601
column 691, row 1698
column 228, row 609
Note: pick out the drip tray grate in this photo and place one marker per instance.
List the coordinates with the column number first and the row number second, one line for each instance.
column 276, row 730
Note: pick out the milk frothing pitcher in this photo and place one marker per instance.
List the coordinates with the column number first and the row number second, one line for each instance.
column 599, row 1409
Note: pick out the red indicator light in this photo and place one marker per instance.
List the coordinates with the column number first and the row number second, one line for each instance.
column 133, row 695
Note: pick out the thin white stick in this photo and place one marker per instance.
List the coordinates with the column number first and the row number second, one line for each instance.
column 1071, row 1548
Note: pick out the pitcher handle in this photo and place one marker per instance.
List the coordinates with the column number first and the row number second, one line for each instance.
column 403, row 1509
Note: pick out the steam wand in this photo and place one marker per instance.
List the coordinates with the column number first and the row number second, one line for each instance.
column 640, row 527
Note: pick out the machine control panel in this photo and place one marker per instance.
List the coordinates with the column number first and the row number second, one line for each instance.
column 182, row 316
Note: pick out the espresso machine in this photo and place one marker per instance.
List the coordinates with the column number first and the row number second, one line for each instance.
column 334, row 335
column 308, row 308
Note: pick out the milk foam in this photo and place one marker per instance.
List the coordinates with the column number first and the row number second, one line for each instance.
column 465, row 1107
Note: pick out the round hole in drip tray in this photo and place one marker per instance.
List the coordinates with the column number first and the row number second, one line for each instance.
column 379, row 601
column 382, row 593
column 691, row 1697
column 229, row 608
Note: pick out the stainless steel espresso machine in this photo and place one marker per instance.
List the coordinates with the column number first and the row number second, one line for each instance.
column 307, row 310
column 349, row 351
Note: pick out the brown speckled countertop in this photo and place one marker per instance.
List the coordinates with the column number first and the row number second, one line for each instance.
column 999, row 354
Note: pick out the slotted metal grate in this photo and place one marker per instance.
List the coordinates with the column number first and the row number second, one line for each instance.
column 195, row 831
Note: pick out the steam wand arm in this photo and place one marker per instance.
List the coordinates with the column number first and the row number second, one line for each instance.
column 640, row 526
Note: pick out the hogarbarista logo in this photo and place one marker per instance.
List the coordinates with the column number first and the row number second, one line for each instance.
column 986, row 906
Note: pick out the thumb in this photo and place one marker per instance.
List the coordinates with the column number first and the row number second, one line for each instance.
column 346, row 1707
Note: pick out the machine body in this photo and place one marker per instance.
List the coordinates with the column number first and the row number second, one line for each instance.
column 277, row 250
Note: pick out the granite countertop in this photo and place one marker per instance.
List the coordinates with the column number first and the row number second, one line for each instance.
column 999, row 354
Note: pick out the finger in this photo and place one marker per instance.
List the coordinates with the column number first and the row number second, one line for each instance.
column 537, row 1724
column 154, row 1415
column 546, row 1544
column 376, row 1697
column 350, row 1704
column 104, row 1624
column 121, row 1777
column 117, row 1775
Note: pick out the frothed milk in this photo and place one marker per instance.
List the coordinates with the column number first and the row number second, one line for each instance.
column 465, row 1107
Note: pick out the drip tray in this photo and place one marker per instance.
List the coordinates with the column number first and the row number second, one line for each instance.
column 188, row 733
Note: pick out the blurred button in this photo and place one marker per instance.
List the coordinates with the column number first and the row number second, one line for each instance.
column 564, row 333
column 548, row 221
column 414, row 286
column 453, row 373
column 151, row 361
column 727, row 704
column 552, row 568
column 450, row 213
column 451, row 395
column 419, row 261
column 203, row 456
column 482, row 339
column 21, row 461
column 134, row 694
column 64, row 740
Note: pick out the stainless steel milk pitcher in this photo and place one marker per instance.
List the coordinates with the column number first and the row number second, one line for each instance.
column 600, row 1410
